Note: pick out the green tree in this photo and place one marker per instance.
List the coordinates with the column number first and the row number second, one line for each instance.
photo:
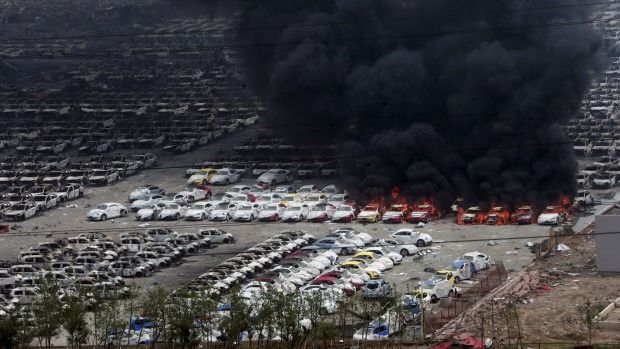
column 588, row 314
column 47, row 310
column 74, row 321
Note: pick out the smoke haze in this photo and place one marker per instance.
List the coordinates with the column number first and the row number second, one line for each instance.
column 450, row 105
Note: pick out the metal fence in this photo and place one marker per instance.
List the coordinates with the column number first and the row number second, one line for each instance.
column 451, row 308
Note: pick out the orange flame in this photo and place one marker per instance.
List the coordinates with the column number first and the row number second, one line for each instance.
column 395, row 192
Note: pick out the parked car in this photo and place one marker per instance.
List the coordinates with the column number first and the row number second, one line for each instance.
column 376, row 288
column 370, row 214
column 480, row 260
column 408, row 235
column 275, row 176
column 107, row 210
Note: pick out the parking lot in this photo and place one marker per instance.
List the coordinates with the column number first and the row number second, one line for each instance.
column 506, row 243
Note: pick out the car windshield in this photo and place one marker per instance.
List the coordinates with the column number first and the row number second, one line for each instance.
column 245, row 208
column 102, row 206
column 467, row 258
column 271, row 208
column 198, row 206
column 272, row 171
column 312, row 198
column 438, row 277
column 264, row 198
column 222, row 206
column 370, row 208
column 172, row 206
column 337, row 198
column 19, row 207
column 40, row 198
column 294, row 208
column 221, row 172
column 305, row 190
column 372, row 285
column 319, row 208
column 345, row 208
column 288, row 198
column 328, row 190
column 235, row 189
column 218, row 196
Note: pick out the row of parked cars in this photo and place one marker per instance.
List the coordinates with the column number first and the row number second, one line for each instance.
column 95, row 263
column 295, row 261
column 18, row 203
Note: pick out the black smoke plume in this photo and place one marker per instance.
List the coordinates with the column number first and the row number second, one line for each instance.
column 453, row 98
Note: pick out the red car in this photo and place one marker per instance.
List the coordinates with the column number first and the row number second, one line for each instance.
column 524, row 215
column 338, row 274
column 422, row 214
column 346, row 213
column 331, row 281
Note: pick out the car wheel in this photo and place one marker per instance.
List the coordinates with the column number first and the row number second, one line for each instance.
column 428, row 219
column 404, row 253
column 177, row 216
column 101, row 269
column 433, row 298
column 190, row 199
column 273, row 182
column 420, row 243
column 204, row 182
column 323, row 311
column 226, row 240
column 202, row 217
column 457, row 279
column 251, row 218
column 153, row 217
column 474, row 275
column 344, row 252
column 450, row 294
column 103, row 217
column 227, row 182
column 123, row 213
column 208, row 196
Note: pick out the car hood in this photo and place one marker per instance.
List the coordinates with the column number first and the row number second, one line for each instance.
column 548, row 216
column 138, row 192
column 266, row 177
column 145, row 211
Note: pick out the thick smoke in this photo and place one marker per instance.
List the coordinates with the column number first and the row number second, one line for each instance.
column 448, row 102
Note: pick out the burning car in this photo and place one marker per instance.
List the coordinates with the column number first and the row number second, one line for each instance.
column 422, row 214
column 524, row 215
column 370, row 214
column 397, row 213
column 472, row 215
column 553, row 215
column 498, row 215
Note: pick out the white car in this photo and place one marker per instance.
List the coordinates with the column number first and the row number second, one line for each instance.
column 396, row 258
column 246, row 212
column 22, row 211
column 307, row 190
column 173, row 211
column 150, row 212
column 144, row 200
column 224, row 176
column 315, row 199
column 269, row 198
column 45, row 201
column 551, row 215
column 271, row 212
column 295, row 212
column 223, row 211
column 330, row 190
column 217, row 236
column 439, row 289
column 349, row 236
column 398, row 245
column 195, row 195
column 69, row 192
column 321, row 213
column 239, row 189
column 365, row 237
column 408, row 235
column 275, row 176
column 480, row 260
column 107, row 210
column 199, row 211
column 145, row 189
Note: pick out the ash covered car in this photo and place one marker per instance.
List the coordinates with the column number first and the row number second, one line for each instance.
column 295, row 212
column 146, row 189
column 107, row 210
column 553, row 215
column 408, row 235
column 275, row 176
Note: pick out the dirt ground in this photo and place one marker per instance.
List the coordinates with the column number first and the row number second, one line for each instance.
column 547, row 297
